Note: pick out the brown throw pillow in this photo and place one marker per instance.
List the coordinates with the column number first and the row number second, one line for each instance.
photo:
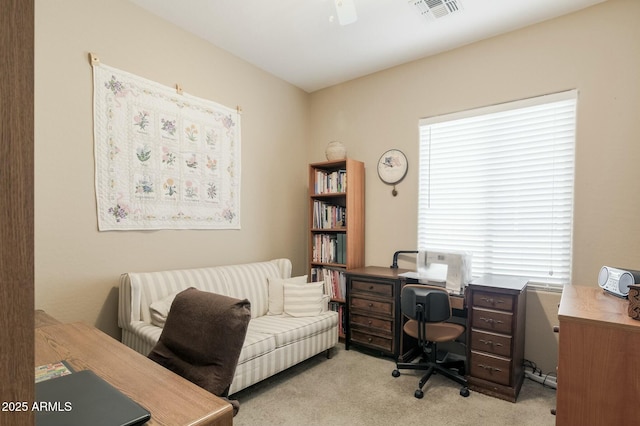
column 202, row 338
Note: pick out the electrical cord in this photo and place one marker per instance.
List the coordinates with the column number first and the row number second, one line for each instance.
column 544, row 381
column 531, row 367
column 538, row 376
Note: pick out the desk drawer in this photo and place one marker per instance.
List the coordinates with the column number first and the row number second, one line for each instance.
column 491, row 320
column 372, row 306
column 493, row 301
column 371, row 340
column 488, row 367
column 361, row 321
column 489, row 342
column 380, row 289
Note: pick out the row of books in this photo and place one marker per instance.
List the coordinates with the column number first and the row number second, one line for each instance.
column 335, row 281
column 330, row 182
column 339, row 308
column 327, row 216
column 330, row 248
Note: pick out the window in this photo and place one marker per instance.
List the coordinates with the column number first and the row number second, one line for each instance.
column 498, row 182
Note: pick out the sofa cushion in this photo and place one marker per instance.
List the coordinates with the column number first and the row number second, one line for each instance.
column 303, row 300
column 286, row 330
column 256, row 344
column 276, row 292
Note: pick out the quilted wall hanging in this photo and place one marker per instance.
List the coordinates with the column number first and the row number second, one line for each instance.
column 164, row 159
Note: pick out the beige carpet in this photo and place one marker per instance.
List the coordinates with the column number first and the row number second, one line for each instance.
column 354, row 388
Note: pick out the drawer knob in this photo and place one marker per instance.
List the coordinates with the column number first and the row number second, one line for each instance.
column 490, row 320
column 489, row 342
column 489, row 368
column 370, row 322
column 371, row 305
column 370, row 340
column 370, row 287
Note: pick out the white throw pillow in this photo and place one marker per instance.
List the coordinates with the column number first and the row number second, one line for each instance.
column 303, row 300
column 160, row 309
column 276, row 292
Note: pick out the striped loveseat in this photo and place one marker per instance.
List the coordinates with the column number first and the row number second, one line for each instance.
column 273, row 342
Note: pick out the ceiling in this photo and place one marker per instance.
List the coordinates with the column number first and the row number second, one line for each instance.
column 304, row 43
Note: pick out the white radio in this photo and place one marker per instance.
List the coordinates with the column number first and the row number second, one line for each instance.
column 617, row 281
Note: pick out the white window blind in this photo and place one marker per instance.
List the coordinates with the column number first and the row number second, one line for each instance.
column 498, row 182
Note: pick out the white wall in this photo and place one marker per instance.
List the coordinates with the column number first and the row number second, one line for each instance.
column 76, row 267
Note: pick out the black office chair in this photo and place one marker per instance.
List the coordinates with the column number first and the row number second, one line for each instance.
column 427, row 309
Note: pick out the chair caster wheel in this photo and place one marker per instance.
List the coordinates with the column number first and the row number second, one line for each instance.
column 418, row 394
column 395, row 373
column 464, row 392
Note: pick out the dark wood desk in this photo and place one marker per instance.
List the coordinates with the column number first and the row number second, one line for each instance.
column 373, row 316
column 492, row 308
column 171, row 399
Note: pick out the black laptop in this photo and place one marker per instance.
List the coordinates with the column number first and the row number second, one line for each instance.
column 82, row 399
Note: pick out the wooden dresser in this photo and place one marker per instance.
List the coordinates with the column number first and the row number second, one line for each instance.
column 496, row 308
column 598, row 375
column 373, row 309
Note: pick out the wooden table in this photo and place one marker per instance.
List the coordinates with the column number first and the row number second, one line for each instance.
column 42, row 319
column 171, row 399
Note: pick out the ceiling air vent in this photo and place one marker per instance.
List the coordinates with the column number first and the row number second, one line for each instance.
column 436, row 8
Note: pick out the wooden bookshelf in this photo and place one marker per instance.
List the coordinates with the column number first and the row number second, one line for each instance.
column 336, row 223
